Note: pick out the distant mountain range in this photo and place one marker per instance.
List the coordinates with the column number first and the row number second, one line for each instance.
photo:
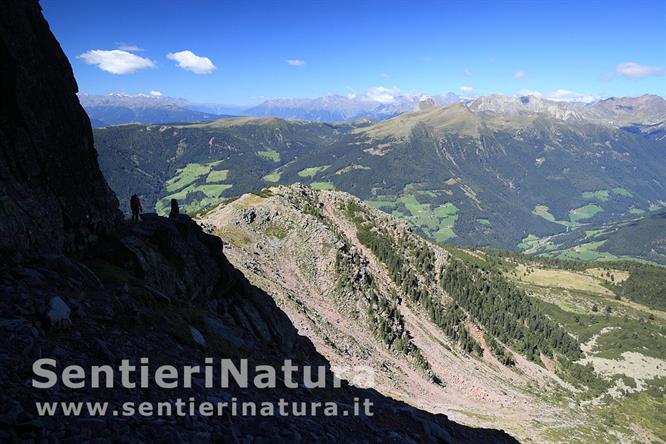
column 337, row 108
column 117, row 109
column 646, row 110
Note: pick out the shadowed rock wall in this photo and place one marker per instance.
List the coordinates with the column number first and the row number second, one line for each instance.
column 52, row 193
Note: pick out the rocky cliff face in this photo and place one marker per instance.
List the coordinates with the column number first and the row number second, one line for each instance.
column 52, row 193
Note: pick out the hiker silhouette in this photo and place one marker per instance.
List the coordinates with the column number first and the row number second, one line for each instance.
column 175, row 211
column 135, row 206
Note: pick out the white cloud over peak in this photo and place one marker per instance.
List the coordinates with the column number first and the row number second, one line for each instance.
column 564, row 95
column 529, row 92
column 633, row 70
column 116, row 61
column 519, row 74
column 156, row 93
column 466, row 89
column 189, row 61
column 382, row 94
column 296, row 62
column 560, row 95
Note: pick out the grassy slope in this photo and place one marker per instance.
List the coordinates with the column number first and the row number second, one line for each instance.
column 623, row 339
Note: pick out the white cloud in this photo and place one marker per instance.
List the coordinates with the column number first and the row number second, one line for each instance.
column 560, row 95
column 564, row 95
column 156, row 93
column 296, row 62
column 467, row 72
column 466, row 89
column 126, row 47
column 382, row 94
column 116, row 61
column 633, row 70
column 189, row 61
column 528, row 92
column 519, row 74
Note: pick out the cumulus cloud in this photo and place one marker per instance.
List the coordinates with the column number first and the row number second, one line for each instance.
column 466, row 89
column 382, row 94
column 529, row 92
column 296, row 62
column 116, row 61
column 633, row 70
column 519, row 74
column 189, row 61
column 156, row 93
column 564, row 95
column 560, row 95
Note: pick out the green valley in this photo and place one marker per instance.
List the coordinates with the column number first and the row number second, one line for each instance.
column 464, row 174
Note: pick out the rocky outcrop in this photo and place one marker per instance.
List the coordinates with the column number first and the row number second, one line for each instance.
column 53, row 196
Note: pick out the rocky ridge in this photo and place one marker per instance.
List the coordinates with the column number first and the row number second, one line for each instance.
column 287, row 240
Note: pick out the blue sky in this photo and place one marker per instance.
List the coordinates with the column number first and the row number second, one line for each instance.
column 240, row 52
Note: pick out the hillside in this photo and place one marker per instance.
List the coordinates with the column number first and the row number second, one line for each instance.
column 442, row 326
column 491, row 173
column 640, row 236
column 203, row 163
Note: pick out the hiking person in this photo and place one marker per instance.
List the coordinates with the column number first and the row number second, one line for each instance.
column 175, row 211
column 135, row 206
